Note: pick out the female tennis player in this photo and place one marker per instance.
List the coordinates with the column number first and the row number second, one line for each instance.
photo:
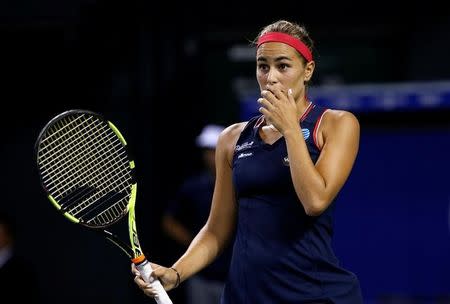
column 278, row 175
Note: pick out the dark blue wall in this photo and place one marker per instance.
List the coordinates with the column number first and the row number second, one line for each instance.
column 392, row 216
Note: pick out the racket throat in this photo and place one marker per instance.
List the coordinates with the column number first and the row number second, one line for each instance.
column 119, row 243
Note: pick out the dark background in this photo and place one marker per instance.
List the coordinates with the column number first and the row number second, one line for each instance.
column 161, row 73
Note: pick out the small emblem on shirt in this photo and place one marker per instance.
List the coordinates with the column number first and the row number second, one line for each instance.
column 242, row 155
column 286, row 161
column 306, row 133
column 243, row 146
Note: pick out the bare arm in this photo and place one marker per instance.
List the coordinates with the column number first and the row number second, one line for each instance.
column 214, row 236
column 317, row 185
column 218, row 230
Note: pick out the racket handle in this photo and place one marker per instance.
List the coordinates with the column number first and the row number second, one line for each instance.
column 145, row 269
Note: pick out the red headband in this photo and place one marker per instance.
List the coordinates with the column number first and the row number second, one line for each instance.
column 289, row 40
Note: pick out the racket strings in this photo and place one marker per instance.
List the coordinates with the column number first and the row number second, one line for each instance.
column 74, row 150
column 66, row 125
column 50, row 157
column 114, row 211
column 99, row 194
column 54, row 155
column 84, row 154
column 104, row 208
column 80, row 167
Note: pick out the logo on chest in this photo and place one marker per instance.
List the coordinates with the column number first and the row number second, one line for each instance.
column 243, row 155
column 286, row 161
column 244, row 146
column 305, row 133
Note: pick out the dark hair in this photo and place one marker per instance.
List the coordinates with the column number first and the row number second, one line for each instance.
column 290, row 28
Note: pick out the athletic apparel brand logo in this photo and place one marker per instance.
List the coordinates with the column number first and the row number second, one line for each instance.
column 306, row 133
column 243, row 146
column 242, row 155
column 286, row 161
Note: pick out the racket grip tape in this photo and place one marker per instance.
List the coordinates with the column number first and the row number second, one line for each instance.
column 145, row 269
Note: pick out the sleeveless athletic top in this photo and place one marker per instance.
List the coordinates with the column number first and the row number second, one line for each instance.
column 280, row 254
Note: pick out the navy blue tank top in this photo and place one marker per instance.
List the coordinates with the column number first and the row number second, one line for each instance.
column 280, row 254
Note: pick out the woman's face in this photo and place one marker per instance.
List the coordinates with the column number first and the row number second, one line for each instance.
column 280, row 65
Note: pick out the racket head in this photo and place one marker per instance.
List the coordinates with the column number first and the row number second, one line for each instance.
column 85, row 168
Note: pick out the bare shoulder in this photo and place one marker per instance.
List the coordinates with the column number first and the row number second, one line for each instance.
column 230, row 135
column 228, row 139
column 339, row 120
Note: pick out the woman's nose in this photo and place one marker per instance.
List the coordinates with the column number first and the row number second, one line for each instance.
column 272, row 77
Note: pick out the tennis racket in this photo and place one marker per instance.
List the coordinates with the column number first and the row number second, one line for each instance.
column 87, row 174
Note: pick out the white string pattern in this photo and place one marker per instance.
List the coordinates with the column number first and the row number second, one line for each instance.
column 85, row 167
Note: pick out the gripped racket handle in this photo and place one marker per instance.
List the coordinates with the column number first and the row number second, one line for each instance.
column 145, row 269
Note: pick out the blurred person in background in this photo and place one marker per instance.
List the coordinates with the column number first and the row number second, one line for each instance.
column 15, row 268
column 277, row 178
column 188, row 212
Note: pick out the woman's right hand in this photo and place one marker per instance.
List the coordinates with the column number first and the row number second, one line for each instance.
column 167, row 276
